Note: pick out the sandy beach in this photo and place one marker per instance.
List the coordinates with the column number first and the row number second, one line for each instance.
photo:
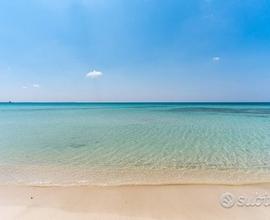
column 130, row 202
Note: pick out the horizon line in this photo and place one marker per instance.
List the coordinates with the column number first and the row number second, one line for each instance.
column 93, row 102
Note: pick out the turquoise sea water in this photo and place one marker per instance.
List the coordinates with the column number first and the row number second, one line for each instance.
column 134, row 143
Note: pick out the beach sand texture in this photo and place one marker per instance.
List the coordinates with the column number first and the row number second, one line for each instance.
column 179, row 202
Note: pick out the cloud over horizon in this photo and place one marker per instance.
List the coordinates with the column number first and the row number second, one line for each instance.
column 94, row 74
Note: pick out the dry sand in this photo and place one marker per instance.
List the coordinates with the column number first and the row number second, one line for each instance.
column 193, row 202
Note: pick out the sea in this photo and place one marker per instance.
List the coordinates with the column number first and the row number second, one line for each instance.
column 134, row 143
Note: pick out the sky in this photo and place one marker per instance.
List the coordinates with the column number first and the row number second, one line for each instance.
column 135, row 50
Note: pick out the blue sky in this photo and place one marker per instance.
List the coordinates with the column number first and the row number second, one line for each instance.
column 137, row 50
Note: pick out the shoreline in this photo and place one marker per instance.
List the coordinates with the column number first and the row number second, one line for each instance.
column 135, row 185
column 189, row 201
column 63, row 176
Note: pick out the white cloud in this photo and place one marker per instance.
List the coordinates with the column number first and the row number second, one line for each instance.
column 94, row 74
column 36, row 85
column 216, row 59
column 24, row 87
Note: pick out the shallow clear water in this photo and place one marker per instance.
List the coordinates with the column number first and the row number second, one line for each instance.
column 134, row 143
